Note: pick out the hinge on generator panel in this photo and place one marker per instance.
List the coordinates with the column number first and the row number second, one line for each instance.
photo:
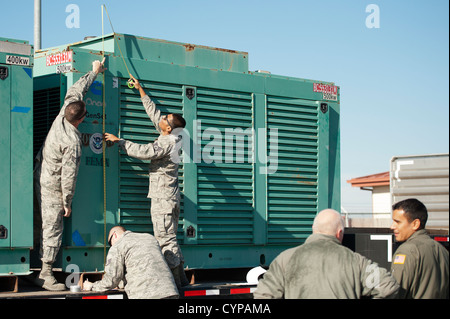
column 190, row 232
column 3, row 232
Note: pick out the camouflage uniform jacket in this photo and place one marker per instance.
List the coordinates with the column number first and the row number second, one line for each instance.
column 322, row 268
column 421, row 267
column 58, row 160
column 163, row 171
column 137, row 260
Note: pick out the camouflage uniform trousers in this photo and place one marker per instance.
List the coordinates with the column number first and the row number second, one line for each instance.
column 48, row 221
column 165, row 214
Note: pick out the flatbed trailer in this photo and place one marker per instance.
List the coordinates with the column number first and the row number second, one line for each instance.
column 196, row 291
column 375, row 243
column 205, row 287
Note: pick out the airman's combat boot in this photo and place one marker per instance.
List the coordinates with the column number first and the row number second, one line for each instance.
column 46, row 279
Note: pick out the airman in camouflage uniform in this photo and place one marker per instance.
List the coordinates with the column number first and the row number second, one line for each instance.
column 136, row 259
column 163, row 181
column 55, row 173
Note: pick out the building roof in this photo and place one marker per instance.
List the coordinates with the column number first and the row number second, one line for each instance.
column 380, row 179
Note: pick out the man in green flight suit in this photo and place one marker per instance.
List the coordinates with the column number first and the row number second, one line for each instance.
column 420, row 265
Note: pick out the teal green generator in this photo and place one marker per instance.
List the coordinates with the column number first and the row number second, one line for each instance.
column 16, row 160
column 260, row 157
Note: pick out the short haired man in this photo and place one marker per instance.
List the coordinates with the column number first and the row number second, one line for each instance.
column 164, row 188
column 55, row 174
column 420, row 265
column 322, row 268
column 136, row 259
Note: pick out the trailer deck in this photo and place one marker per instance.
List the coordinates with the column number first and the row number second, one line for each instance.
column 202, row 286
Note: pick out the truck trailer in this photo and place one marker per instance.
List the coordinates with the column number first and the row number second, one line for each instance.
column 260, row 158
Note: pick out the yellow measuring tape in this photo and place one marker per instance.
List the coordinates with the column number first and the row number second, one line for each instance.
column 104, row 152
column 130, row 85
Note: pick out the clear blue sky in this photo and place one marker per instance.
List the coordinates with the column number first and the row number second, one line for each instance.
column 394, row 79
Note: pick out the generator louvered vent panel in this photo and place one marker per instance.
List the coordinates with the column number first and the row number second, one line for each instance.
column 47, row 105
column 225, row 182
column 292, row 189
column 136, row 126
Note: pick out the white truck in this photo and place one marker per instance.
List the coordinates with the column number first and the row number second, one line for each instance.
column 425, row 177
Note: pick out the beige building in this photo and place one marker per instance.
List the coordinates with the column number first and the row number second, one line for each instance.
column 379, row 185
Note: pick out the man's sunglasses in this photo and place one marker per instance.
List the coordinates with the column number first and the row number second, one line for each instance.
column 110, row 238
column 165, row 117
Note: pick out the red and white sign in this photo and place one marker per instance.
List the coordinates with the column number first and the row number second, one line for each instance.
column 60, row 58
column 330, row 92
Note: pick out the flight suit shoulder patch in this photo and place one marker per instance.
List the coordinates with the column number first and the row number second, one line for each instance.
column 399, row 259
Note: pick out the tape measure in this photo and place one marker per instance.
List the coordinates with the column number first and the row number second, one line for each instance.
column 130, row 84
column 130, row 81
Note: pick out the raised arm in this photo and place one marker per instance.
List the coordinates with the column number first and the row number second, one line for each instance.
column 150, row 107
column 141, row 151
column 77, row 91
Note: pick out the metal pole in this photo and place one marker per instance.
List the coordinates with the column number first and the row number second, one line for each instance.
column 37, row 25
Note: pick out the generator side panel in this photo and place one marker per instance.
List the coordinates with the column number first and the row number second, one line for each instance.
column 5, row 150
column 22, row 157
column 16, row 172
column 262, row 159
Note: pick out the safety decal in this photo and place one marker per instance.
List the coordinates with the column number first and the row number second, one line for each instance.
column 77, row 239
column 21, row 109
column 96, row 143
column 64, row 68
column 29, row 72
column 60, row 58
column 330, row 92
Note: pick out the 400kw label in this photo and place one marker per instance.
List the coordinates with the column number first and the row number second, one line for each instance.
column 17, row 60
